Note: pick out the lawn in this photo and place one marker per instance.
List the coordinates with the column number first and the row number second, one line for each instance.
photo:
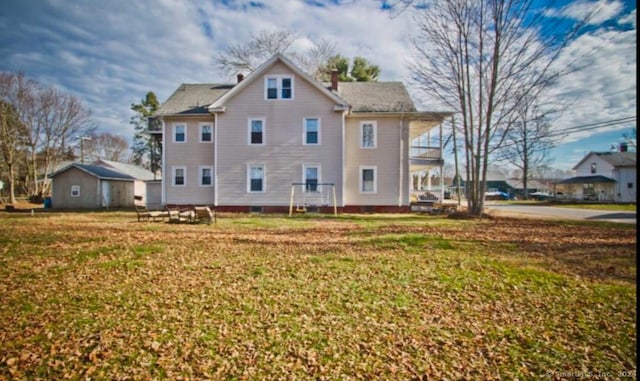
column 101, row 296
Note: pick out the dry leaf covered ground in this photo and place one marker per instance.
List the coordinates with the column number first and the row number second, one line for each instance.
column 101, row 296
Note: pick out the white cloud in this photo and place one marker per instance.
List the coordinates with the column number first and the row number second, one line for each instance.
column 596, row 12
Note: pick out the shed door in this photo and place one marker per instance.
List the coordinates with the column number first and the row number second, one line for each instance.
column 106, row 193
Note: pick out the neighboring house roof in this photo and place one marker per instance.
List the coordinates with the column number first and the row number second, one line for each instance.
column 193, row 98
column 587, row 180
column 531, row 184
column 376, row 96
column 493, row 174
column 135, row 171
column 97, row 171
column 616, row 159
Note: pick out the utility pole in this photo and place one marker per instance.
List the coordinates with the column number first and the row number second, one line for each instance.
column 82, row 138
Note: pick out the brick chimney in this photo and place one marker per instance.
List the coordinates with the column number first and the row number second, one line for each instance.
column 334, row 80
column 240, row 77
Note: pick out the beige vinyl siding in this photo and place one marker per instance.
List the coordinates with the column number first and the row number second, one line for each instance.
column 385, row 158
column 283, row 152
column 192, row 155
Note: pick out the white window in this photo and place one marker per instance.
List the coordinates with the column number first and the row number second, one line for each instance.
column 278, row 87
column 368, row 135
column 75, row 191
column 256, row 131
column 206, row 133
column 368, row 180
column 179, row 133
column 311, row 177
column 206, row 176
column 312, row 131
column 255, row 178
column 179, row 176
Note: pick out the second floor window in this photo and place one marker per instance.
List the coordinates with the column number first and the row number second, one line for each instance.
column 206, row 133
column 180, row 133
column 594, row 169
column 256, row 131
column 368, row 135
column 311, row 131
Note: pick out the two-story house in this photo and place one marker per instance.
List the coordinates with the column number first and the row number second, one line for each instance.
column 602, row 176
column 242, row 146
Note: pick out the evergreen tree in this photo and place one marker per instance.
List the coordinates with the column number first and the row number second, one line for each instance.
column 142, row 140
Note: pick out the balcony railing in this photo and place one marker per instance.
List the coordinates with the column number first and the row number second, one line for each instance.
column 425, row 153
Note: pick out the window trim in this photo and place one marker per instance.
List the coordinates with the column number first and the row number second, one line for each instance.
column 174, row 169
column 304, row 131
column 175, row 132
column 200, row 183
column 202, row 125
column 264, row 128
column 361, row 170
column 304, row 176
column 75, row 189
column 279, row 87
column 264, row 177
column 374, row 124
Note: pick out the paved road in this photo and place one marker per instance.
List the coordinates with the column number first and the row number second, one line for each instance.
column 566, row 213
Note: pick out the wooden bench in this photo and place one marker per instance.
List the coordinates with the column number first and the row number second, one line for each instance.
column 204, row 214
column 145, row 214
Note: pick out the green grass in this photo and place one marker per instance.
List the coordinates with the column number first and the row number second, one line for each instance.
column 353, row 297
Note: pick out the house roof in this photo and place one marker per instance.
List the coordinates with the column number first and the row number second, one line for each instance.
column 385, row 97
column 376, row 96
column 135, row 171
column 193, row 98
column 97, row 171
column 616, row 159
column 531, row 184
column 587, row 180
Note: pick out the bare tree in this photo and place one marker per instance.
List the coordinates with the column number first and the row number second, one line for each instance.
column 106, row 146
column 479, row 58
column 245, row 58
column 529, row 141
column 11, row 132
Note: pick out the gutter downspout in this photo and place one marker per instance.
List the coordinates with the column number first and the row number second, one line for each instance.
column 215, row 160
column 163, row 197
column 401, row 172
column 344, row 127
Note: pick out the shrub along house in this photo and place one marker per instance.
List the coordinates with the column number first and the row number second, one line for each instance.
column 242, row 146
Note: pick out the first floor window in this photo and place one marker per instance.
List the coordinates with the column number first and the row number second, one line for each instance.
column 206, row 133
column 368, row 180
column 311, row 131
column 179, row 175
column 206, row 176
column 311, row 176
column 256, row 178
column 75, row 191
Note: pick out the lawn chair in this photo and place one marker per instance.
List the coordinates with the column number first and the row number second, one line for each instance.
column 204, row 214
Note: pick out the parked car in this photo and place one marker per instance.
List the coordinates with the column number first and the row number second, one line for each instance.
column 497, row 195
column 540, row 196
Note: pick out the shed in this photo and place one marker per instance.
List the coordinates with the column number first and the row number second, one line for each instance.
column 82, row 186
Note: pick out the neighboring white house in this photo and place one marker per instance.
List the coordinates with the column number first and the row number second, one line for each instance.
column 602, row 176
column 241, row 146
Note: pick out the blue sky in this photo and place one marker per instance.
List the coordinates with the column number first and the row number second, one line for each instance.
column 110, row 53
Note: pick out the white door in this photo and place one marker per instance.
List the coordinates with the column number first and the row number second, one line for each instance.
column 106, row 193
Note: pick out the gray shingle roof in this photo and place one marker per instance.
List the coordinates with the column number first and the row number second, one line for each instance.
column 193, row 98
column 618, row 159
column 97, row 171
column 135, row 171
column 587, row 180
column 376, row 96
